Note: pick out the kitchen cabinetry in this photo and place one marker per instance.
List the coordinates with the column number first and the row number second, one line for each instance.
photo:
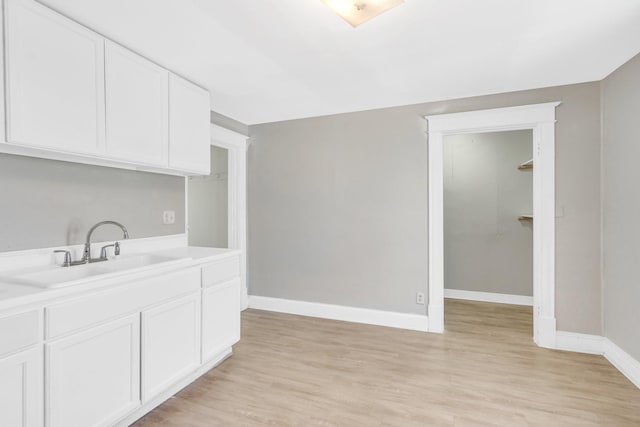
column 220, row 317
column 136, row 107
column 74, row 95
column 21, row 389
column 188, row 126
column 170, row 344
column 54, row 80
column 93, row 377
column 108, row 351
column 21, row 373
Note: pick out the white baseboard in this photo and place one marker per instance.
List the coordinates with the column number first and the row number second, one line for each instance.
column 581, row 343
column 415, row 322
column 623, row 361
column 595, row 344
column 488, row 297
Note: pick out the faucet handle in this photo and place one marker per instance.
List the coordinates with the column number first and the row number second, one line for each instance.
column 116, row 250
column 103, row 252
column 67, row 256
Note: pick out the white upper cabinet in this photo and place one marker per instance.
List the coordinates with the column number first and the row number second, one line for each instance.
column 54, row 80
column 189, row 126
column 70, row 94
column 137, row 110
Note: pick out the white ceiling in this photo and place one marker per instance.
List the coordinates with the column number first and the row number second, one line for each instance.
column 272, row 60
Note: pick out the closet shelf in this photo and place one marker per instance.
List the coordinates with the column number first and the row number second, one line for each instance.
column 526, row 165
column 525, row 217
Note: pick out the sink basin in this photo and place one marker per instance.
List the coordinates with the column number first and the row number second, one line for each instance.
column 135, row 261
column 57, row 277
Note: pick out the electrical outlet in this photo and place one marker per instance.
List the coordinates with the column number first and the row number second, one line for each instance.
column 169, row 217
column 420, row 298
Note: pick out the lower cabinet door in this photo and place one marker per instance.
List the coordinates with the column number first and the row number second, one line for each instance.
column 220, row 318
column 170, row 344
column 21, row 383
column 93, row 377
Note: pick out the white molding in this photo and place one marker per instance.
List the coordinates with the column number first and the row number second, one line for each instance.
column 580, row 343
column 488, row 297
column 236, row 144
column 225, row 138
column 623, row 361
column 508, row 118
column 414, row 322
column 541, row 119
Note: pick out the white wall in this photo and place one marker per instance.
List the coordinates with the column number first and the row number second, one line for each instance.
column 208, row 203
column 487, row 249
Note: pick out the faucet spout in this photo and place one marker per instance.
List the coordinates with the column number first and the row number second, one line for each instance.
column 87, row 246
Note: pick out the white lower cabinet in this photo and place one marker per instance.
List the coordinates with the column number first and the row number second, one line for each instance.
column 170, row 344
column 21, row 389
column 110, row 356
column 93, row 377
column 220, row 318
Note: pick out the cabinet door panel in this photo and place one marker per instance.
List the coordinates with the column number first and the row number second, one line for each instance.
column 21, row 383
column 170, row 344
column 137, row 94
column 189, row 126
column 93, row 378
column 220, row 318
column 55, row 80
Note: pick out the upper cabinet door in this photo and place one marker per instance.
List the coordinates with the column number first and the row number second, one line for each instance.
column 137, row 111
column 54, row 80
column 189, row 126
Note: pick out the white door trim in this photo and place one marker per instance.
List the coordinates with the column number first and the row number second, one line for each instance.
column 236, row 143
column 541, row 119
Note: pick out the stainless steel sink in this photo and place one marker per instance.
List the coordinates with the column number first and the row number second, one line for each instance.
column 57, row 277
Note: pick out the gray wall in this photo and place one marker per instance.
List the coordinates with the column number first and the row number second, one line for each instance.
column 208, row 203
column 229, row 123
column 45, row 203
column 338, row 205
column 621, row 206
column 487, row 249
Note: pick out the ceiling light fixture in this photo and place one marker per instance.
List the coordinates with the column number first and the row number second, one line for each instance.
column 355, row 12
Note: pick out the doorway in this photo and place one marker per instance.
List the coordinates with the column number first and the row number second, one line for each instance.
column 209, row 203
column 228, row 177
column 488, row 223
column 540, row 119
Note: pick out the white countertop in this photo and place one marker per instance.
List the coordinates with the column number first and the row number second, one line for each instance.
column 15, row 295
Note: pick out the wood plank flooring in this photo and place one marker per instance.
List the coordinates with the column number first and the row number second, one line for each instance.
column 483, row 371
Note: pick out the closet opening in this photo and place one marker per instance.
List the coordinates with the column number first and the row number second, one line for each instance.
column 540, row 119
column 208, row 203
column 488, row 231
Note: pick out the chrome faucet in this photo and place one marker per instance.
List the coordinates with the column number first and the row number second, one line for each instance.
column 103, row 254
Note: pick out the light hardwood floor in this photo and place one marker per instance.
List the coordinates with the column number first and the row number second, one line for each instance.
column 483, row 371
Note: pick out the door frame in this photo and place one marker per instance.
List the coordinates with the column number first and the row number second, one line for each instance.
column 236, row 144
column 540, row 118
